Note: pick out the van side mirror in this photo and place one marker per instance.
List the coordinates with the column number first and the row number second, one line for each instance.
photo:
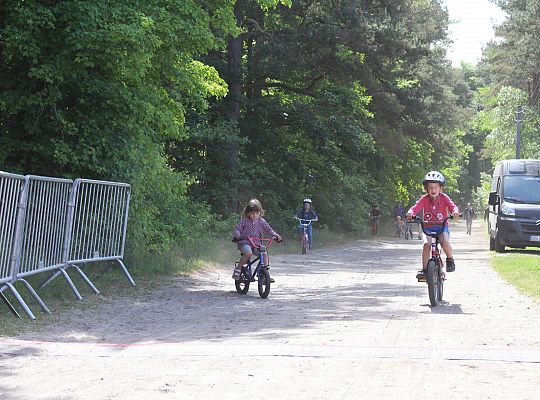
column 493, row 199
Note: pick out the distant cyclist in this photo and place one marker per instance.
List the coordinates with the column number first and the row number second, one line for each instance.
column 375, row 217
column 306, row 213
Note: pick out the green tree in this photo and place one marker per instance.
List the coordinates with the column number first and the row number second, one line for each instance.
column 341, row 100
column 514, row 60
column 95, row 89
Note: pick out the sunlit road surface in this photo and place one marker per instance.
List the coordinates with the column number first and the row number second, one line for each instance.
column 347, row 322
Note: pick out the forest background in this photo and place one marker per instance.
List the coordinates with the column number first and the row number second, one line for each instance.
column 203, row 104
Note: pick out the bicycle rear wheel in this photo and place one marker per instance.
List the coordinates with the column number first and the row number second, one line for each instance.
column 264, row 283
column 433, row 282
column 242, row 285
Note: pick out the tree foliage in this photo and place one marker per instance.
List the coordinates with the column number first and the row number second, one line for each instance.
column 201, row 104
column 347, row 101
column 514, row 60
column 94, row 89
column 511, row 70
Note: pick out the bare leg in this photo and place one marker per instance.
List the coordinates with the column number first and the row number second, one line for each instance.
column 445, row 243
column 425, row 252
column 244, row 259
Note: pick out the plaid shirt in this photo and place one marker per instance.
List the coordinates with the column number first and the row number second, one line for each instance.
column 248, row 228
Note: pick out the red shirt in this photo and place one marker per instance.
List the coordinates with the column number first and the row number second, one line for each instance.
column 434, row 209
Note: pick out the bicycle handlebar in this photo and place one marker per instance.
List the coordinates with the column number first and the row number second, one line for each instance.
column 432, row 223
column 308, row 220
column 262, row 240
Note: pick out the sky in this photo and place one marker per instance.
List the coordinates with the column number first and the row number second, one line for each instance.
column 472, row 28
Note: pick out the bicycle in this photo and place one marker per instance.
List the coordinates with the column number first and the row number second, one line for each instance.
column 261, row 274
column 374, row 224
column 400, row 229
column 304, row 238
column 435, row 275
column 408, row 230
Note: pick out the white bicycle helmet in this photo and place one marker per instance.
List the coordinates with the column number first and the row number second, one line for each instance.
column 434, row 177
column 306, row 200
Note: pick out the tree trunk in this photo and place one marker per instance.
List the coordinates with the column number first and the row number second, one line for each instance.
column 232, row 103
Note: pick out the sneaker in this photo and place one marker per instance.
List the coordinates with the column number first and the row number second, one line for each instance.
column 421, row 275
column 236, row 274
column 450, row 265
column 272, row 280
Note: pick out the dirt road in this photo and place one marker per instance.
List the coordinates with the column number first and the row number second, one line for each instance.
column 347, row 322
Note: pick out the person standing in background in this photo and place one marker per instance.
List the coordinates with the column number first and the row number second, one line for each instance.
column 468, row 214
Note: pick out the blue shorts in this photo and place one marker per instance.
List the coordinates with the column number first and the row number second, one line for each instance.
column 437, row 229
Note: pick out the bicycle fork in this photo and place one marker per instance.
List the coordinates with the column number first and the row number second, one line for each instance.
column 436, row 256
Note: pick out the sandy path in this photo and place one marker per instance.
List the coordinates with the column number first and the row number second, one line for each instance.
column 346, row 322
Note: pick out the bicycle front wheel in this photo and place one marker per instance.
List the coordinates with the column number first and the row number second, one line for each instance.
column 433, row 282
column 242, row 285
column 304, row 243
column 440, row 288
column 264, row 283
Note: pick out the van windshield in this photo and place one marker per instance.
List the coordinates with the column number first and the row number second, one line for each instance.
column 522, row 189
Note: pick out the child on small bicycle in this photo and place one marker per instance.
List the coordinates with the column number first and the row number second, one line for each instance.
column 251, row 224
column 375, row 216
column 306, row 212
column 436, row 206
column 400, row 226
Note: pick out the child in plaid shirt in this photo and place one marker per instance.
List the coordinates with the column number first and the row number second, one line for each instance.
column 250, row 225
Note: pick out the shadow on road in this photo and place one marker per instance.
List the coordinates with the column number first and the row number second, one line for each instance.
column 445, row 307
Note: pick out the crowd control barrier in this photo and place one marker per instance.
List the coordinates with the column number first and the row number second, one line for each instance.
column 11, row 187
column 97, row 226
column 52, row 224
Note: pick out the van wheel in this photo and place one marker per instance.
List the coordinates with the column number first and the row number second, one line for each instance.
column 499, row 248
column 491, row 243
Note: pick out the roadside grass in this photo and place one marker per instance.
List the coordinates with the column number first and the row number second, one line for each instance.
column 149, row 270
column 520, row 268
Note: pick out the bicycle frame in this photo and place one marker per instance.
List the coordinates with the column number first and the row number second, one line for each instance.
column 304, row 239
column 261, row 271
column 435, row 253
column 261, row 258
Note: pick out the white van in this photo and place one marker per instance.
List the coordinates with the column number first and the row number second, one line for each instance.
column 514, row 205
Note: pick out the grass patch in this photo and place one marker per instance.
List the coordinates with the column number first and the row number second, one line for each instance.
column 521, row 269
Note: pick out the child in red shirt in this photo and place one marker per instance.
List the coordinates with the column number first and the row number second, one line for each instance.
column 436, row 206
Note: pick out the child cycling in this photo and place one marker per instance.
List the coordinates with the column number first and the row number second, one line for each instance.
column 436, row 206
column 375, row 216
column 305, row 213
column 251, row 224
column 400, row 226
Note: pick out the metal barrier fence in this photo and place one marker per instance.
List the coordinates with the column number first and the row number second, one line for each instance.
column 59, row 224
column 11, row 187
column 97, row 225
